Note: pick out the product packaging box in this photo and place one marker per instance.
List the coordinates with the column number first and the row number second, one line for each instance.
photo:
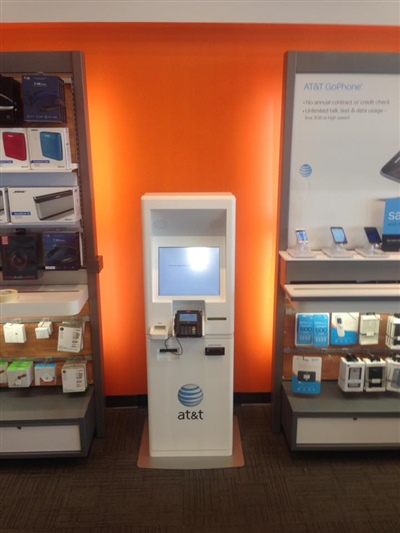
column 344, row 328
column 304, row 333
column 306, row 375
column 20, row 374
column 375, row 374
column 49, row 148
column 44, row 204
column 45, row 374
column 4, row 208
column 19, row 256
column 14, row 332
column 392, row 338
column 43, row 99
column 61, row 250
column 70, row 337
column 14, row 151
column 10, row 101
column 74, row 376
column 391, row 226
column 321, row 330
column 369, row 329
column 3, row 372
column 393, row 373
column 351, row 374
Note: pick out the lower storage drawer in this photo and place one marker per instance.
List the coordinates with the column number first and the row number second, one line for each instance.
column 34, row 439
column 342, row 431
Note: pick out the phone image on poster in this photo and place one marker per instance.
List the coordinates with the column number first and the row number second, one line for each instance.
column 391, row 169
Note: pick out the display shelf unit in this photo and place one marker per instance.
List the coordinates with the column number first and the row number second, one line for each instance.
column 332, row 419
column 305, row 420
column 42, row 421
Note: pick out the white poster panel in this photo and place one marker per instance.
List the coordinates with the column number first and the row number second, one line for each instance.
column 346, row 129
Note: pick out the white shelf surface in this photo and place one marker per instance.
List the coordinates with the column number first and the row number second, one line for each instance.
column 6, row 170
column 46, row 300
column 320, row 256
column 379, row 297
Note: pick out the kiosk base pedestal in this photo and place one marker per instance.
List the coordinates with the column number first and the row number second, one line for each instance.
column 191, row 463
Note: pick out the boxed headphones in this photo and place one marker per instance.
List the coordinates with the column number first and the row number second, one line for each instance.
column 10, row 101
column 44, row 99
column 19, row 254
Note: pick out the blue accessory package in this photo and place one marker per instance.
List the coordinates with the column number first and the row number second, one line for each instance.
column 304, row 329
column 306, row 375
column 51, row 145
column 321, row 330
column 391, row 226
column 344, row 329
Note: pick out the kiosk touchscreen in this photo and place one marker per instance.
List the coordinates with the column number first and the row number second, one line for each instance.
column 189, row 270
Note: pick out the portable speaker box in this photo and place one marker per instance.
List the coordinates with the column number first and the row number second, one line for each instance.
column 44, row 99
column 49, row 148
column 61, row 250
column 44, row 204
column 19, row 255
column 14, row 152
column 4, row 209
column 10, row 102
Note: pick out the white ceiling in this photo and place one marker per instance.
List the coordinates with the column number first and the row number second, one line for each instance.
column 357, row 12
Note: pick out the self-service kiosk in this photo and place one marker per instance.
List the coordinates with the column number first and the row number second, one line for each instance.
column 189, row 271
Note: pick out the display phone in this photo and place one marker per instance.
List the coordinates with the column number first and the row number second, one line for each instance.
column 301, row 236
column 188, row 324
column 338, row 234
column 373, row 235
column 391, row 169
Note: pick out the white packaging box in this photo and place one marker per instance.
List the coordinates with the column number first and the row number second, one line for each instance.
column 375, row 374
column 44, row 205
column 14, row 149
column 70, row 338
column 3, row 372
column 393, row 374
column 49, row 148
column 45, row 374
column 369, row 329
column 14, row 332
column 351, row 374
column 20, row 374
column 4, row 207
column 74, row 376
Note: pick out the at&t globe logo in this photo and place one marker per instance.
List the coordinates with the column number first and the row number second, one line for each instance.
column 305, row 170
column 190, row 395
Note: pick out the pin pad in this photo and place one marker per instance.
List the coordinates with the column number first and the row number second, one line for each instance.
column 188, row 324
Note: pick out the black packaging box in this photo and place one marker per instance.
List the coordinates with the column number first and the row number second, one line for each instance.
column 61, row 250
column 19, row 254
column 44, row 99
column 10, row 102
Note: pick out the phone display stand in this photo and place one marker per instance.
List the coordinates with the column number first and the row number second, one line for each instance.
column 337, row 251
column 372, row 250
column 301, row 251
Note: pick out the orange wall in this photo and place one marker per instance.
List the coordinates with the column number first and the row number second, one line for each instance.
column 190, row 107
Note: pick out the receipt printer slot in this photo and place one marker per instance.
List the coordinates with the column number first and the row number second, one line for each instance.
column 215, row 351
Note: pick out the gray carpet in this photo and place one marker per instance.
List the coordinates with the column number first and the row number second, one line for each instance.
column 276, row 491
